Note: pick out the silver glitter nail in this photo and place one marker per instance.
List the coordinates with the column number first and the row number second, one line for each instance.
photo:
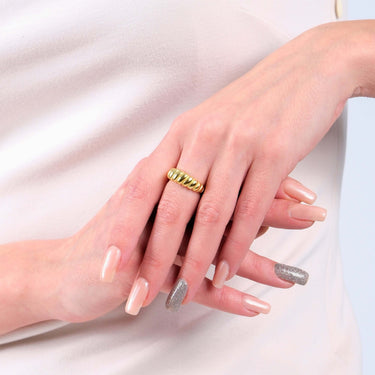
column 176, row 295
column 292, row 274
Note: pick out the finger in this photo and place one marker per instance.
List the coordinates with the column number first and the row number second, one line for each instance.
column 175, row 209
column 256, row 197
column 226, row 299
column 266, row 271
column 289, row 214
column 213, row 214
column 293, row 190
column 137, row 197
column 261, row 270
column 254, row 267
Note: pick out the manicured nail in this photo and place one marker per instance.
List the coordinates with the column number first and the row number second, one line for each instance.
column 299, row 192
column 110, row 263
column 304, row 212
column 137, row 296
column 176, row 295
column 255, row 304
column 221, row 273
column 292, row 274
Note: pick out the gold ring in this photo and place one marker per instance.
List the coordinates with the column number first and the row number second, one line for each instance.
column 182, row 178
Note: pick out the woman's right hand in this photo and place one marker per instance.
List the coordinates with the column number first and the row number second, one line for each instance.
column 60, row 279
column 82, row 296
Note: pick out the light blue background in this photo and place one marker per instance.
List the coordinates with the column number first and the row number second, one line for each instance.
column 357, row 227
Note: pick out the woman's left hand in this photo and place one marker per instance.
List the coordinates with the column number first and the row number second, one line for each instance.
column 240, row 143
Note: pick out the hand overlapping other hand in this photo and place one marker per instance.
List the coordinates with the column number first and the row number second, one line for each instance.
column 82, row 296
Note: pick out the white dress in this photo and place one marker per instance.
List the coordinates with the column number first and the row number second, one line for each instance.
column 90, row 87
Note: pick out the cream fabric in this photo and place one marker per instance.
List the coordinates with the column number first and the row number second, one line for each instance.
column 90, row 87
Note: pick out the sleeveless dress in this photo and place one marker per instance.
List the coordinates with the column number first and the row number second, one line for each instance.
column 90, row 87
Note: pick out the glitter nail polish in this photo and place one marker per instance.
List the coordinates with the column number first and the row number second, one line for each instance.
column 176, row 295
column 292, row 274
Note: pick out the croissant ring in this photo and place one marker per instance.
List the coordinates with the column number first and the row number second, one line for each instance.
column 182, row 178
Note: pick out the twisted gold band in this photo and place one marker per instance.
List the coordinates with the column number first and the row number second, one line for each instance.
column 184, row 179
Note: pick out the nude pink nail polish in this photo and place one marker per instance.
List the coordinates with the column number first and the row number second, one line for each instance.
column 304, row 212
column 137, row 296
column 255, row 304
column 297, row 191
column 221, row 274
column 110, row 264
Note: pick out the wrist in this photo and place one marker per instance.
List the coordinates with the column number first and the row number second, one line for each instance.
column 29, row 276
column 346, row 52
column 353, row 49
column 42, row 283
column 362, row 39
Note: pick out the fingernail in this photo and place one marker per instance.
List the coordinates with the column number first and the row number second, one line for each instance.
column 292, row 274
column 176, row 295
column 221, row 273
column 255, row 304
column 137, row 296
column 110, row 263
column 299, row 192
column 304, row 212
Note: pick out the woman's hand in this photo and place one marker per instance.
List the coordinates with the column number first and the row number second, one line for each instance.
column 240, row 143
column 82, row 296
column 60, row 279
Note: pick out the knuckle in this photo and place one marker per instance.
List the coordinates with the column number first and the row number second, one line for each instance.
column 142, row 163
column 257, row 264
column 244, row 139
column 119, row 231
column 275, row 149
column 208, row 213
column 237, row 247
column 246, row 207
column 168, row 211
column 276, row 156
column 247, row 128
column 181, row 119
column 214, row 126
column 194, row 264
column 210, row 129
column 136, row 188
column 153, row 261
column 179, row 123
column 236, row 143
column 222, row 298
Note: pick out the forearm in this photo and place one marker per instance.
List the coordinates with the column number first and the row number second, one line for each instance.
column 27, row 283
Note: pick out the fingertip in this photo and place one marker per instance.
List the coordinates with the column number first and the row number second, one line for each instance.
column 221, row 274
column 291, row 273
column 251, row 303
column 286, row 285
column 301, row 224
column 110, row 264
column 307, row 213
column 296, row 190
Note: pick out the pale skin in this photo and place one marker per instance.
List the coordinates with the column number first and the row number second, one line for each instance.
column 59, row 279
column 249, row 136
column 241, row 143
